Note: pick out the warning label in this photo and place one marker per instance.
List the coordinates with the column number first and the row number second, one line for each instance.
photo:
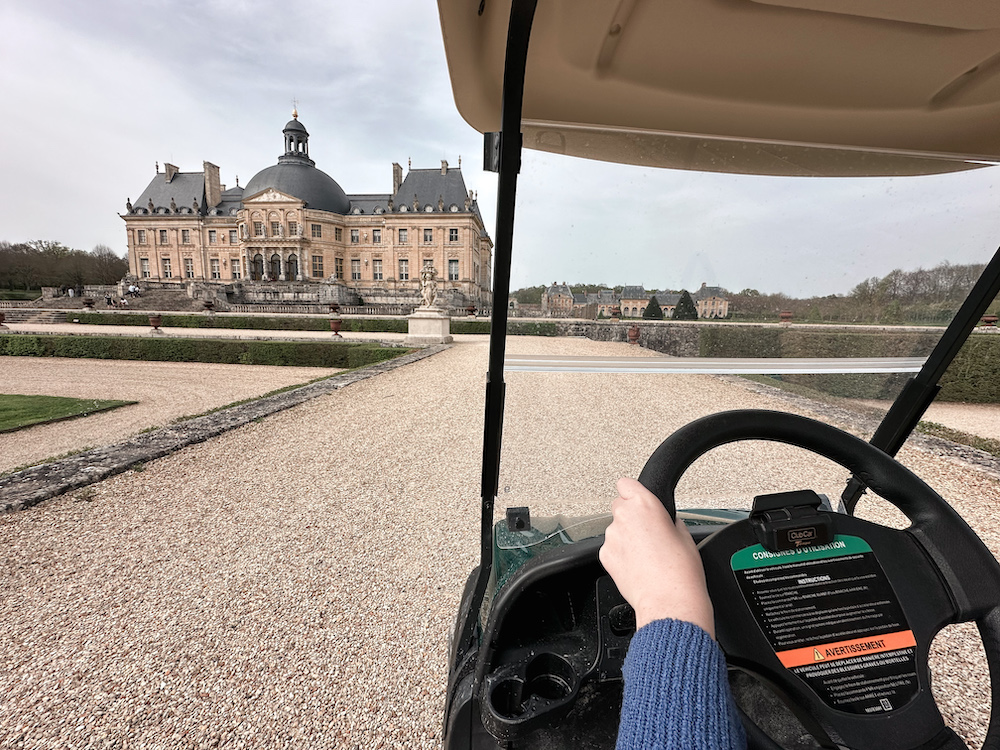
column 798, row 657
column 833, row 619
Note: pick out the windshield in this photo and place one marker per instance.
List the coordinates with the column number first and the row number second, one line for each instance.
column 819, row 296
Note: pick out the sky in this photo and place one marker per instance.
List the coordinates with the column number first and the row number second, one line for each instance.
column 92, row 95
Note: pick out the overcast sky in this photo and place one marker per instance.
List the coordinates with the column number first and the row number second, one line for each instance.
column 93, row 94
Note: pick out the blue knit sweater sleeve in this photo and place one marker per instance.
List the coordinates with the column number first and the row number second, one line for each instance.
column 677, row 692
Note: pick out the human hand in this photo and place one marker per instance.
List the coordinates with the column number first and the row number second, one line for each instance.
column 654, row 562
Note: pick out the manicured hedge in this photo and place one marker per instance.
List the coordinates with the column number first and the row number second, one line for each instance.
column 206, row 321
column 470, row 326
column 348, row 325
column 290, row 353
column 799, row 343
column 739, row 341
column 973, row 376
column 531, row 328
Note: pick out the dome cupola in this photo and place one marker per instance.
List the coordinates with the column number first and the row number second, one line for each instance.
column 295, row 174
column 296, row 142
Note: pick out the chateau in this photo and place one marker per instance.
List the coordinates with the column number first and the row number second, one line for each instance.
column 559, row 300
column 292, row 234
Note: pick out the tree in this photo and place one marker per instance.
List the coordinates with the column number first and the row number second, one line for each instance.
column 531, row 295
column 108, row 267
column 653, row 310
column 685, row 309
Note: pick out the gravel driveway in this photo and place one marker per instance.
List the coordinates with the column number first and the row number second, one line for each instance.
column 292, row 583
column 165, row 391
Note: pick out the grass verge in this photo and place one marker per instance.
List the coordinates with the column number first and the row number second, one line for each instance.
column 987, row 445
column 18, row 412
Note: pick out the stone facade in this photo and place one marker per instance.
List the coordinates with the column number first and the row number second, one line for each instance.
column 711, row 302
column 297, row 227
column 558, row 300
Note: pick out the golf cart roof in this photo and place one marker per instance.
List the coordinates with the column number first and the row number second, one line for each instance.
column 770, row 87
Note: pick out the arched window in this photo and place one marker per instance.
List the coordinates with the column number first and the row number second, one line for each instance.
column 275, row 266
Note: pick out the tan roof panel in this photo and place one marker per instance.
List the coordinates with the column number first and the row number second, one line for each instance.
column 813, row 87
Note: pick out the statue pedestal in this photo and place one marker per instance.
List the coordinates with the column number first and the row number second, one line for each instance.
column 428, row 325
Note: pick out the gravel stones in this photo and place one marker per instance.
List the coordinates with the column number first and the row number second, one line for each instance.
column 165, row 391
column 292, row 583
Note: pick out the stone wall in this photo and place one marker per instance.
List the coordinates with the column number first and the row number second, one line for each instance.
column 673, row 339
column 277, row 293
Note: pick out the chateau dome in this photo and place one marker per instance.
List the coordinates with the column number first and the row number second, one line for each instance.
column 295, row 174
column 303, row 181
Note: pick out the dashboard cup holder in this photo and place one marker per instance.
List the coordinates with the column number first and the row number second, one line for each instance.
column 550, row 677
column 506, row 698
column 530, row 690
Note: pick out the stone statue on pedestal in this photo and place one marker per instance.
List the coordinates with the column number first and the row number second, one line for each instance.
column 428, row 285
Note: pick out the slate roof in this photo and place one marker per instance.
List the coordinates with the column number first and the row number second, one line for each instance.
column 708, row 291
column 297, row 177
column 428, row 185
column 232, row 200
column 369, row 203
column 184, row 189
column 665, row 299
column 559, row 289
column 634, row 292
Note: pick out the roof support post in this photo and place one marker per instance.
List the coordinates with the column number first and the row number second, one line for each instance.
column 519, row 30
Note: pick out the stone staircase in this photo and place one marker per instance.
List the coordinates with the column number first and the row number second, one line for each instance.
column 27, row 315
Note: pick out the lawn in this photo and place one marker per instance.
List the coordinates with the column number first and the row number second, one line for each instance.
column 23, row 411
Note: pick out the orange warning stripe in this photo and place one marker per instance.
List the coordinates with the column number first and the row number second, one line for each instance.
column 799, row 657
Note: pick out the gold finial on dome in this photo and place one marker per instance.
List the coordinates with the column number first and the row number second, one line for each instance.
column 295, row 114
column 295, row 109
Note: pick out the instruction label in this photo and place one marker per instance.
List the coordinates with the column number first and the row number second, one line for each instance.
column 833, row 620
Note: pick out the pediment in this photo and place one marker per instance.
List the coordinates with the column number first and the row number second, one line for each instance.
column 270, row 195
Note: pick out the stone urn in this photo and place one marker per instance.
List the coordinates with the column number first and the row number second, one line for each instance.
column 471, row 310
column 986, row 320
column 156, row 320
column 785, row 316
column 88, row 303
column 335, row 321
column 616, row 313
column 633, row 335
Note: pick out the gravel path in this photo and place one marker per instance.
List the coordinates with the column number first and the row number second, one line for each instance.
column 292, row 583
column 165, row 391
column 976, row 419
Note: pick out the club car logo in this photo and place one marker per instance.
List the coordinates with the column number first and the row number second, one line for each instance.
column 802, row 537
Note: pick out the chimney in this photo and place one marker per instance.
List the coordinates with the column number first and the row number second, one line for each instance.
column 397, row 177
column 170, row 170
column 444, row 167
column 213, row 190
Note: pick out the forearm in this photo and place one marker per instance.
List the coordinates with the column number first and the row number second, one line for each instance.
column 677, row 692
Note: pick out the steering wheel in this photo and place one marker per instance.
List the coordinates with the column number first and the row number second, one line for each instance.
column 916, row 581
